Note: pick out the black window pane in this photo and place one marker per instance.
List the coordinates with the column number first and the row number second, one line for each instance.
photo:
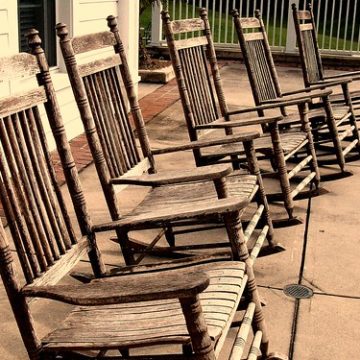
column 38, row 14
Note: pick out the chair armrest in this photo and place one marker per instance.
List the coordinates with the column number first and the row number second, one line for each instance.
column 212, row 172
column 239, row 123
column 271, row 106
column 207, row 143
column 123, row 289
column 182, row 211
column 301, row 94
column 353, row 75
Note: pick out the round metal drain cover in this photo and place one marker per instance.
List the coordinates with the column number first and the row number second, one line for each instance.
column 298, row 291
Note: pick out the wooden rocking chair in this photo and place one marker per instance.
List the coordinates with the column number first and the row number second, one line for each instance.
column 205, row 108
column 190, row 302
column 345, row 103
column 97, row 86
column 266, row 88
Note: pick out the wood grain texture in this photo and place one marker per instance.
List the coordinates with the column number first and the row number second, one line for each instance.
column 18, row 66
column 22, row 101
column 174, row 177
column 98, row 65
column 187, row 25
column 147, row 287
column 85, row 43
column 158, row 321
column 167, row 214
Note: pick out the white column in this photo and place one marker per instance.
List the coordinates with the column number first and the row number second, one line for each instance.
column 291, row 34
column 156, row 25
column 128, row 23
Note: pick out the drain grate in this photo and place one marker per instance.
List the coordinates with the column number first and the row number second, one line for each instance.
column 298, row 291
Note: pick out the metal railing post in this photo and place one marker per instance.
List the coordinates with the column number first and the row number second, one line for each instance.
column 156, row 25
column 291, row 35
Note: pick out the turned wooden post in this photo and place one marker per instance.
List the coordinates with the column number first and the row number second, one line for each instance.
column 331, row 122
column 254, row 169
column 17, row 300
column 240, row 252
column 200, row 340
column 304, row 115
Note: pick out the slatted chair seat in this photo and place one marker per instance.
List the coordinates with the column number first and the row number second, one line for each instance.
column 289, row 142
column 339, row 112
column 339, row 97
column 163, row 197
column 152, row 322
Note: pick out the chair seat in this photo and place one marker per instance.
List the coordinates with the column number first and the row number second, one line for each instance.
column 289, row 141
column 243, row 186
column 338, row 111
column 152, row 322
column 339, row 97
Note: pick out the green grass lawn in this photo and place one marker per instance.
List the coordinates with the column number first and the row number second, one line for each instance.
column 223, row 31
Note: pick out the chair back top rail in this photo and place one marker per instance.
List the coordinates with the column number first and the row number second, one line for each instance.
column 18, row 66
column 95, row 41
column 187, row 25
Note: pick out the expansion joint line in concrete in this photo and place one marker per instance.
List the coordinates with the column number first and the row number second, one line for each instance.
column 300, row 279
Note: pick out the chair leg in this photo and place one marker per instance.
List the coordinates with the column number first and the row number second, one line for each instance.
column 124, row 243
column 334, row 133
column 314, row 166
column 274, row 247
column 169, row 235
column 240, row 252
column 282, row 170
column 352, row 119
column 197, row 328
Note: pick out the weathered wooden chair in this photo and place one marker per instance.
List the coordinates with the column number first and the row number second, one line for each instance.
column 97, row 86
column 346, row 102
column 190, row 302
column 312, row 66
column 205, row 108
column 266, row 88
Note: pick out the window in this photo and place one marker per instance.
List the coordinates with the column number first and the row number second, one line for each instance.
column 38, row 14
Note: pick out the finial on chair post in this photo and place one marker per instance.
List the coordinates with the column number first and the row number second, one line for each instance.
column 165, row 16
column 62, row 31
column 310, row 5
column 235, row 13
column 203, row 13
column 34, row 41
column 294, row 7
column 112, row 24
column 258, row 14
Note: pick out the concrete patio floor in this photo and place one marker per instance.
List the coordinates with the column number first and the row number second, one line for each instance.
column 321, row 253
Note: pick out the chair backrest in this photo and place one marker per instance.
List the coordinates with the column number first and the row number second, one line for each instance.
column 257, row 56
column 41, row 229
column 308, row 45
column 196, row 69
column 98, row 86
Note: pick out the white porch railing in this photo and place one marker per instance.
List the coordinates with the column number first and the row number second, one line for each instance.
column 338, row 22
